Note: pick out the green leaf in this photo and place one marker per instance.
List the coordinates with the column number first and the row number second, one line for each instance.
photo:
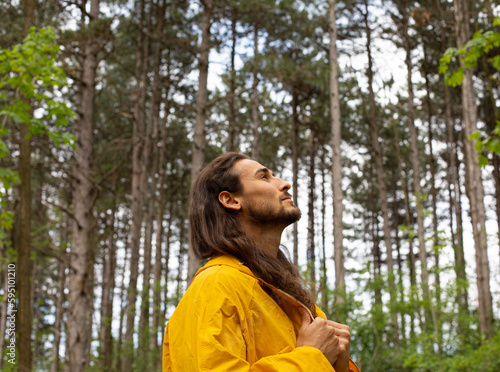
column 456, row 78
column 493, row 145
column 478, row 146
column 495, row 61
column 483, row 161
column 475, row 135
column 497, row 129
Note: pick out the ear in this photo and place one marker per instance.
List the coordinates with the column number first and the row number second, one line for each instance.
column 229, row 201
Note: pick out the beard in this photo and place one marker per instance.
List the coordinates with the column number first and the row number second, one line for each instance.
column 264, row 213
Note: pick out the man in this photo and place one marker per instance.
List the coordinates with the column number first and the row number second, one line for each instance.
column 247, row 309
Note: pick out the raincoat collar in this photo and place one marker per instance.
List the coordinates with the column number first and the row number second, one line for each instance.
column 226, row 261
column 235, row 263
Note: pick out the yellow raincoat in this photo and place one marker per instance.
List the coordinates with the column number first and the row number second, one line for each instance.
column 228, row 321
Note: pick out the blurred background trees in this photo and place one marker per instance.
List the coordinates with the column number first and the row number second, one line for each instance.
column 384, row 114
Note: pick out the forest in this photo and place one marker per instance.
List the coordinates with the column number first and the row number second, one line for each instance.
column 382, row 114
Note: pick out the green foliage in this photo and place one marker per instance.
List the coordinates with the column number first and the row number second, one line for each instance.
column 489, row 143
column 30, row 89
column 31, row 70
column 469, row 54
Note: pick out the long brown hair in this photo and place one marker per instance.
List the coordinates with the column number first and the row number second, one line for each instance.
column 215, row 230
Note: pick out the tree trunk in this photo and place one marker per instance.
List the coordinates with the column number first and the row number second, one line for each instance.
column 382, row 190
column 493, row 117
column 140, row 158
column 338, row 225
column 198, row 157
column 79, row 316
column 311, row 254
column 435, row 236
column 415, row 160
column 182, row 233
column 474, row 184
column 295, row 170
column 324, row 279
column 108, row 287
column 374, row 238
column 54, row 367
column 454, row 184
column 23, row 230
column 154, row 122
column 157, row 268
column 231, row 123
column 401, row 299
column 123, row 299
column 35, row 305
column 255, row 95
column 409, row 224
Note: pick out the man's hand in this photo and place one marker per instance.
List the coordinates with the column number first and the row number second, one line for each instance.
column 321, row 334
column 343, row 332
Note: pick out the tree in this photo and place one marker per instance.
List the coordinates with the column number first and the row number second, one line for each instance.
column 84, row 193
column 377, row 160
column 336, row 161
column 473, row 182
column 23, row 235
column 199, row 143
column 141, row 138
column 31, row 72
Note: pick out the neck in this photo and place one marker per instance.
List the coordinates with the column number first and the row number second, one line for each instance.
column 266, row 237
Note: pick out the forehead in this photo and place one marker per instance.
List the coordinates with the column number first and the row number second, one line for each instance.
column 247, row 168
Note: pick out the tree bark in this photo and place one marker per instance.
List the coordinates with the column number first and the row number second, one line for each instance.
column 108, row 287
column 54, row 367
column 154, row 123
column 182, row 233
column 382, row 189
column 374, row 238
column 23, row 230
column 311, row 253
column 409, row 224
column 324, row 278
column 338, row 225
column 140, row 160
column 123, row 299
column 157, row 268
column 198, row 157
column 435, row 236
column 295, row 170
column 454, row 185
column 474, row 186
column 231, row 123
column 415, row 160
column 79, row 306
column 401, row 299
column 255, row 95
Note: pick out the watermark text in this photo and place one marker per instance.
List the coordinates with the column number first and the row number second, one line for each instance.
column 12, row 312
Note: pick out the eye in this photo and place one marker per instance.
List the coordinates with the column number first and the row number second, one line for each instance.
column 264, row 176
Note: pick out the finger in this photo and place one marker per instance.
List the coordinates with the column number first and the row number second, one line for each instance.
column 337, row 325
column 306, row 318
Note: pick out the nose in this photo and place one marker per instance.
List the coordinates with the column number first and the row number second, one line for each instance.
column 284, row 185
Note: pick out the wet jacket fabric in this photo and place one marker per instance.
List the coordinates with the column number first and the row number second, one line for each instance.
column 229, row 320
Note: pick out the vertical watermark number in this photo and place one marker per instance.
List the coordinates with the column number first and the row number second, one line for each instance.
column 12, row 312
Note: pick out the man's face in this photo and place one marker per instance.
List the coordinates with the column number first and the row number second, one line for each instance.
column 265, row 198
